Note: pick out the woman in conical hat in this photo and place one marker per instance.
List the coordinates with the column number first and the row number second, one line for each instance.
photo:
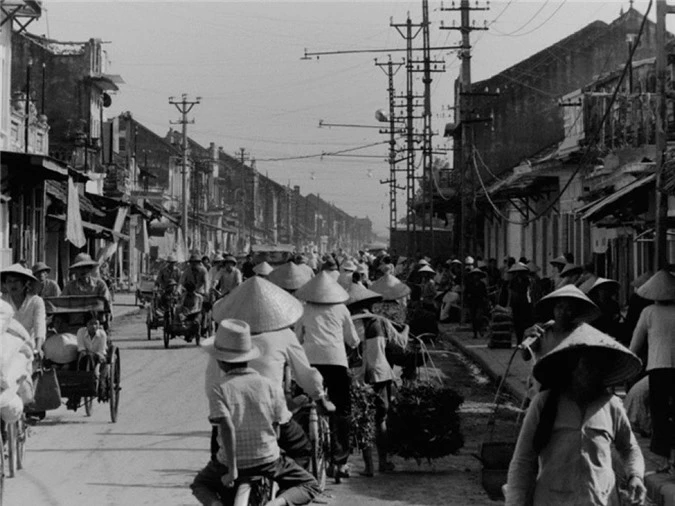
column 374, row 370
column 29, row 310
column 263, row 269
column 563, row 454
column 604, row 292
column 324, row 329
column 519, row 298
column 560, row 312
column 394, row 298
column 655, row 331
column 290, row 276
column 270, row 313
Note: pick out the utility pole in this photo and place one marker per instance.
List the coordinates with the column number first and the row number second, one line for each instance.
column 464, row 90
column 184, row 106
column 243, row 158
column 661, row 225
column 409, row 35
column 391, row 70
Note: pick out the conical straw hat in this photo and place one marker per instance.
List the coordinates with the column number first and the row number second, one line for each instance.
column 477, row 272
column 289, row 276
column 359, row 293
column 618, row 363
column 263, row 269
column 19, row 270
column 426, row 268
column 641, row 279
column 544, row 308
column 660, row 287
column 518, row 267
column 608, row 283
column 261, row 304
column 390, row 287
column 322, row 289
column 559, row 260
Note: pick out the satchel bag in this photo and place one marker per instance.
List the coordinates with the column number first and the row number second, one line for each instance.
column 47, row 391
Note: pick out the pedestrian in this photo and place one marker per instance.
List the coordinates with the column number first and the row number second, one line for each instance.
column 270, row 313
column 44, row 287
column 636, row 304
column 558, row 264
column 290, row 276
column 247, row 267
column 246, row 407
column 427, row 287
column 605, row 292
column 228, row 279
column 394, row 298
column 587, row 278
column 563, row 455
column 519, row 299
column 476, row 299
column 655, row 330
column 29, row 310
column 263, row 269
column 301, row 261
column 570, row 274
column 347, row 269
column 324, row 329
column 214, row 271
column 85, row 283
column 375, row 370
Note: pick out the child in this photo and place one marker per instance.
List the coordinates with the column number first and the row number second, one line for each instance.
column 563, row 453
column 247, row 408
column 92, row 342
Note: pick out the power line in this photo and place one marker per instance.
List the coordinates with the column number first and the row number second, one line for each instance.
column 526, row 22
column 322, row 154
column 540, row 25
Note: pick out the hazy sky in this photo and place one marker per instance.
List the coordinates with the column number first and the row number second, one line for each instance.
column 243, row 59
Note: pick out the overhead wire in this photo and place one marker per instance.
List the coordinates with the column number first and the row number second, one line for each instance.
column 586, row 154
column 526, row 22
column 538, row 26
column 323, row 153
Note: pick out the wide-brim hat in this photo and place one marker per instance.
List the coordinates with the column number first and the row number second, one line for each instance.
column 261, row 304
column 544, row 308
column 171, row 258
column 230, row 259
column 360, row 294
column 477, row 272
column 390, row 287
column 18, row 270
column 263, row 269
column 604, row 283
column 660, row 287
column 39, row 267
column 217, row 258
column 619, row 364
column 518, row 267
column 559, row 260
column 232, row 342
column 290, row 276
column 469, row 260
column 362, row 269
column 194, row 258
column 322, row 289
column 426, row 268
column 455, row 261
column 348, row 266
column 571, row 270
column 83, row 260
column 423, row 262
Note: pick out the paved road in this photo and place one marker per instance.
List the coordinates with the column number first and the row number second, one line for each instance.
column 161, row 440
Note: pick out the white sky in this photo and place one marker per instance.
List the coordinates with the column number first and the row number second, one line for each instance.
column 243, row 59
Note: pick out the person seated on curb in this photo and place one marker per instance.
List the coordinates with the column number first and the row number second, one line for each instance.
column 247, row 409
column 271, row 312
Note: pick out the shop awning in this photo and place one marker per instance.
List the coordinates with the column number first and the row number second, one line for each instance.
column 59, row 190
column 34, row 166
column 98, row 230
column 159, row 211
column 604, row 205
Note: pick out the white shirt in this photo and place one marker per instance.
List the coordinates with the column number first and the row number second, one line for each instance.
column 32, row 316
column 96, row 345
column 323, row 330
column 225, row 281
column 656, row 326
column 276, row 349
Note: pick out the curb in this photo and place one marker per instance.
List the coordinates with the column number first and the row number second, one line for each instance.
column 513, row 390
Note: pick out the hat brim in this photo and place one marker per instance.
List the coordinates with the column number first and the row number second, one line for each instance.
column 621, row 366
column 84, row 263
column 544, row 309
column 29, row 277
column 229, row 356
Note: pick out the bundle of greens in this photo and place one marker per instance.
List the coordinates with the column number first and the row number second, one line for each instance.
column 362, row 418
column 423, row 422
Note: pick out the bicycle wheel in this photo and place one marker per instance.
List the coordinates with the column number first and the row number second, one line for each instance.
column 317, row 436
column 21, row 435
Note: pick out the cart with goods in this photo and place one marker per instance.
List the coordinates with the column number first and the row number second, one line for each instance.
column 145, row 291
column 80, row 383
column 155, row 317
column 501, row 327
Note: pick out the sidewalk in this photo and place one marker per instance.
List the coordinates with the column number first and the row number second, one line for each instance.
column 660, row 487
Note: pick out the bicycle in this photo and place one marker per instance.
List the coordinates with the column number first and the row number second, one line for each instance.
column 319, row 437
column 255, row 491
column 14, row 444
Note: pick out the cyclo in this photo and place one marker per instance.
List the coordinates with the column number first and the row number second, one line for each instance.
column 78, row 379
